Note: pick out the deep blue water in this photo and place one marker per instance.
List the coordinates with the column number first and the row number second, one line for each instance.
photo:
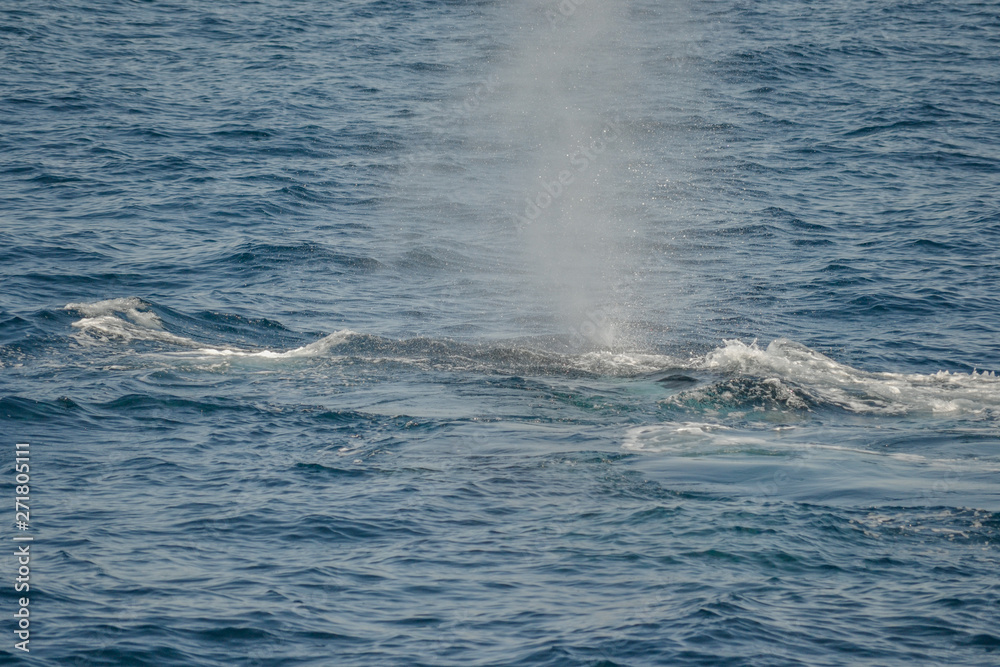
column 322, row 364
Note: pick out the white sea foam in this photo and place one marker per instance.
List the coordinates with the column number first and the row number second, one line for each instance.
column 106, row 327
column 129, row 319
column 784, row 374
column 132, row 308
column 677, row 436
column 622, row 363
column 700, row 438
column 124, row 319
column 831, row 382
column 319, row 348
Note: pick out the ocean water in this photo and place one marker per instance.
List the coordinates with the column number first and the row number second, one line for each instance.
column 502, row 333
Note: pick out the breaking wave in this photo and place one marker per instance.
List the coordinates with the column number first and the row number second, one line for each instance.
column 783, row 376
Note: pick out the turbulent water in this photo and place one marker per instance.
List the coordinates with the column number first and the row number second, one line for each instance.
column 503, row 333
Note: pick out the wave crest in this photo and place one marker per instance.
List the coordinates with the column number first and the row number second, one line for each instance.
column 821, row 380
column 784, row 376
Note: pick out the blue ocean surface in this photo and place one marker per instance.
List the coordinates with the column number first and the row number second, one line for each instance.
column 523, row 332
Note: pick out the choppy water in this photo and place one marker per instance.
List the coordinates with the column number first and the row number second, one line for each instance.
column 308, row 382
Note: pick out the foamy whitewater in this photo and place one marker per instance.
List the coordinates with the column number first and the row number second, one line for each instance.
column 548, row 332
column 791, row 374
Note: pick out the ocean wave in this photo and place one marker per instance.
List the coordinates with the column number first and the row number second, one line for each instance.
column 131, row 319
column 734, row 378
column 815, row 378
column 125, row 320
